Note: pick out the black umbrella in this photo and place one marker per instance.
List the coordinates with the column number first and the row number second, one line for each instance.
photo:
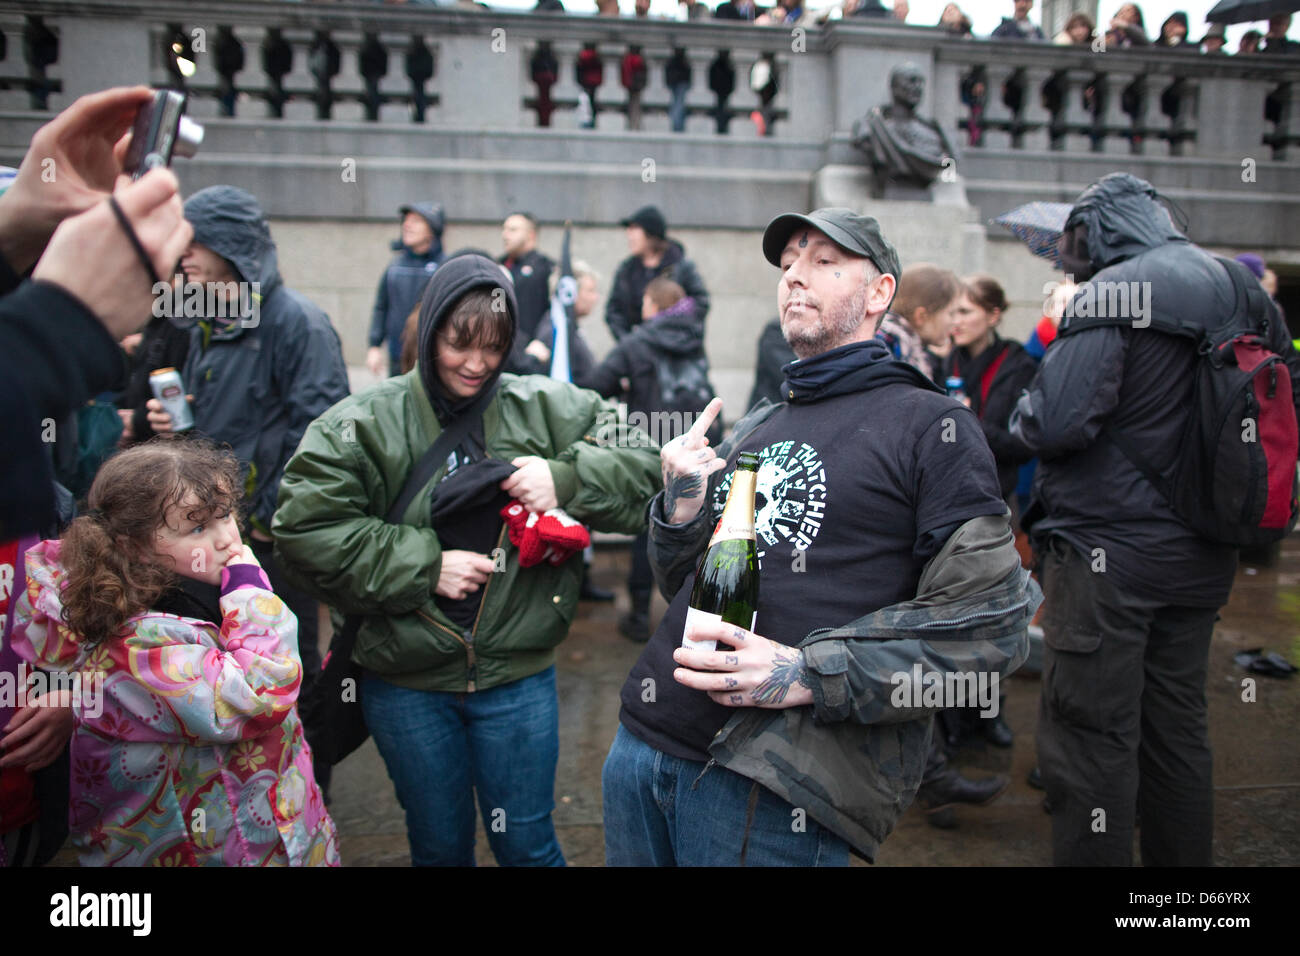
column 1243, row 11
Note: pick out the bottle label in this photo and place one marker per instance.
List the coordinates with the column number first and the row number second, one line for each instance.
column 695, row 617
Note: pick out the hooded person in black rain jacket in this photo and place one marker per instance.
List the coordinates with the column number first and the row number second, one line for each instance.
column 419, row 254
column 1131, row 590
column 262, row 365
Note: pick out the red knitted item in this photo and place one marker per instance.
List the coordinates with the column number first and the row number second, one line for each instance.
column 562, row 531
column 553, row 536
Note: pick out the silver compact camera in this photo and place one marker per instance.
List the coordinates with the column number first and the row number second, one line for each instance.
column 161, row 131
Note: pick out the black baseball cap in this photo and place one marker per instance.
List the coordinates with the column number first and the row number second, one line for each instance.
column 850, row 231
column 650, row 219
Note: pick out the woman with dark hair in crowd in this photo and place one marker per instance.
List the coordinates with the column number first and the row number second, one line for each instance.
column 465, row 599
column 993, row 370
column 1079, row 31
column 916, row 326
column 1127, row 28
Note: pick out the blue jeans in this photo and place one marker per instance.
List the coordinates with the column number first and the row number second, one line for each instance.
column 441, row 747
column 665, row 811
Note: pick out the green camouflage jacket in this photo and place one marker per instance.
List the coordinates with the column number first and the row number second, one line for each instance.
column 853, row 759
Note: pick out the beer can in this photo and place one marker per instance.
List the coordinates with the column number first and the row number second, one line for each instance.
column 170, row 390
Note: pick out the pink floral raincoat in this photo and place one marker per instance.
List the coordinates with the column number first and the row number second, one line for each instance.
column 193, row 754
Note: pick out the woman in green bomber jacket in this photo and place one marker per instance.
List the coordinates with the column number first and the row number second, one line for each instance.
column 458, row 640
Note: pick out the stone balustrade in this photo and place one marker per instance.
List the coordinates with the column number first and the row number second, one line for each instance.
column 465, row 67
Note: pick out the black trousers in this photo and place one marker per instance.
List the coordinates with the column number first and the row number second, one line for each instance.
column 640, row 577
column 1122, row 720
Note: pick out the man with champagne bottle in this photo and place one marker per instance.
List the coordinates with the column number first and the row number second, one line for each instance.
column 884, row 549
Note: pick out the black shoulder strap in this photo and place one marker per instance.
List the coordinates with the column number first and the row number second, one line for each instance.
column 345, row 639
column 442, row 447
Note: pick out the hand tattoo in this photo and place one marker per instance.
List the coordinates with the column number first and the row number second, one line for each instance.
column 737, row 698
column 732, row 682
column 733, row 660
column 680, row 486
column 787, row 669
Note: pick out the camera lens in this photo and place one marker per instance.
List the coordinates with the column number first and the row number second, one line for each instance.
column 189, row 135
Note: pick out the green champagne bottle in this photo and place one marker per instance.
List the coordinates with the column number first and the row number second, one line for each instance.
column 726, row 581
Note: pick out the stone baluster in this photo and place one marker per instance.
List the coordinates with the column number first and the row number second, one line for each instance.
column 1077, row 110
column 1117, row 124
column 566, row 93
column 998, row 117
column 1034, row 117
column 1178, row 106
column 348, row 87
column 300, row 84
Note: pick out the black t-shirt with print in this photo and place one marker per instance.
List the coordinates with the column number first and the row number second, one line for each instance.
column 855, row 494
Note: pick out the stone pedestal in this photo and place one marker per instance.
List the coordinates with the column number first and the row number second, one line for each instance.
column 936, row 225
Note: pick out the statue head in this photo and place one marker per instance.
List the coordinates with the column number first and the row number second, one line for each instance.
column 907, row 85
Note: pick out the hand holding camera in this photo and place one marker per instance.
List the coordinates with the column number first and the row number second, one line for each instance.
column 77, row 161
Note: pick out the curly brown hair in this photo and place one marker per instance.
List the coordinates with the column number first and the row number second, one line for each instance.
column 108, row 552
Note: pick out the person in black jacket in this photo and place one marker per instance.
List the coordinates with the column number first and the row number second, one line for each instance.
column 1131, row 590
column 1019, row 26
column 994, row 371
column 674, row 330
column 774, row 353
column 162, row 344
column 652, row 254
column 530, row 270
column 400, row 287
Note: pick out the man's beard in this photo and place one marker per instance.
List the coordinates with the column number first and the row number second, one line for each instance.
column 833, row 328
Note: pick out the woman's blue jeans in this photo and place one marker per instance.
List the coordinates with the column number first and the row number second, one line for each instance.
column 442, row 747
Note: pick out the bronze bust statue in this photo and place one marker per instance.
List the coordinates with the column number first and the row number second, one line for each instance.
column 901, row 146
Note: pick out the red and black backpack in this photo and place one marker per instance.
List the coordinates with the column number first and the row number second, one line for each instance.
column 1235, row 480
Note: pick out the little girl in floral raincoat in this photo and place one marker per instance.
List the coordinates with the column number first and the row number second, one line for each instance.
column 188, row 750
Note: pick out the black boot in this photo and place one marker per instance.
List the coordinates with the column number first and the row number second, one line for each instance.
column 996, row 731
column 589, row 592
column 950, row 788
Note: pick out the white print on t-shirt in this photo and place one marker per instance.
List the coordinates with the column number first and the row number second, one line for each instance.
column 789, row 498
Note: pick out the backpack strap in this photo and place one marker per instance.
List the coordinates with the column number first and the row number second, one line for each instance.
column 1252, row 300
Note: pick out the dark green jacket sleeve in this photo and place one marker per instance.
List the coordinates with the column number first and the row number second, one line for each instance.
column 325, row 530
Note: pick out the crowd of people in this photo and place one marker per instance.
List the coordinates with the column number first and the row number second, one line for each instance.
column 1126, row 27
column 443, row 513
